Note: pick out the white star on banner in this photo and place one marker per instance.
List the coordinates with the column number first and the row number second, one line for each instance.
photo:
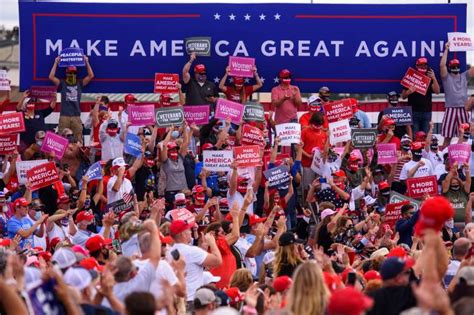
column 277, row 16
column 276, row 80
column 216, row 80
column 262, row 79
column 232, row 17
column 262, row 17
column 247, row 17
column 231, row 80
column 247, row 80
column 217, row 16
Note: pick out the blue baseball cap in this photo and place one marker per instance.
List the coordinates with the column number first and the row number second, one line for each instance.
column 393, row 266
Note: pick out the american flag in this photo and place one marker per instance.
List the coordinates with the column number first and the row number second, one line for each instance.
column 128, row 197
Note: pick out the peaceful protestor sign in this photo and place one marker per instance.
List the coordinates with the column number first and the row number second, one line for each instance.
column 23, row 166
column 252, row 135
column 459, row 152
column 54, row 143
column 417, row 80
column 43, row 92
column 4, row 82
column 282, row 35
column 217, row 161
column 72, row 56
column 133, row 145
column 197, row 114
column 363, row 138
column 141, row 115
column 8, row 144
column 340, row 131
column 401, row 114
column 12, row 123
column 169, row 116
column 460, row 41
column 338, row 110
column 241, row 66
column 288, row 133
column 42, row 175
column 387, row 153
column 277, row 176
column 201, row 46
column 166, row 82
column 228, row 109
column 419, row 186
column 247, row 156
column 254, row 112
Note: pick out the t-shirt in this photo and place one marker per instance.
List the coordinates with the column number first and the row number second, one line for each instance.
column 455, row 89
column 196, row 94
column 243, row 244
column 15, row 224
column 125, row 188
column 38, row 241
column 32, row 125
column 394, row 139
column 228, row 266
column 420, row 102
column 145, row 180
column 422, row 171
column 194, row 258
column 392, row 300
column 163, row 272
column 141, row 282
column 70, row 98
column 233, row 95
column 312, row 138
column 112, row 147
column 364, row 118
column 287, row 110
column 175, row 174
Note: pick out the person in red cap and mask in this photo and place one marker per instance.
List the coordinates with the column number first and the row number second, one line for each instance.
column 387, row 126
column 422, row 104
column 198, row 89
column 315, row 104
column 455, row 92
column 237, row 92
column 392, row 100
column 112, row 137
column 286, row 99
column 71, row 91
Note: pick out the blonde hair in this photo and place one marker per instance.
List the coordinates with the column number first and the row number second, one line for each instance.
column 242, row 279
column 308, row 295
column 285, row 255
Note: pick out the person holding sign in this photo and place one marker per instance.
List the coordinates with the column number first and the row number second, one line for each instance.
column 387, row 126
column 71, row 91
column 455, row 93
column 199, row 90
column 237, row 92
column 457, row 190
column 392, row 99
column 286, row 99
column 422, row 104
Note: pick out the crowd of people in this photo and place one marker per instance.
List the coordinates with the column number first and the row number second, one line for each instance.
column 161, row 234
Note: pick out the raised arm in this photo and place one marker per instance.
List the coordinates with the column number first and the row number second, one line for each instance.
column 259, row 82
column 187, row 66
column 90, row 73
column 443, row 69
column 233, row 236
column 52, row 73
column 222, row 86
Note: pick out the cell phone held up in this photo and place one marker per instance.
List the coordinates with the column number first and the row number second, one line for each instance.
column 175, row 254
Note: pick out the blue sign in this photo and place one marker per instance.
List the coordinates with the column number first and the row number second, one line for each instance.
column 350, row 48
column 72, row 57
column 133, row 145
column 44, row 299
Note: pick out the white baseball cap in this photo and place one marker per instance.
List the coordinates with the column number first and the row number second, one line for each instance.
column 119, row 162
column 369, row 200
column 79, row 278
column 327, row 212
column 210, row 278
column 64, row 258
column 32, row 277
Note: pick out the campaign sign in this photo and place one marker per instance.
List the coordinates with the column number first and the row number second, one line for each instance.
column 241, row 66
column 43, row 92
column 254, row 112
column 166, row 82
column 288, row 133
column 23, row 166
column 201, row 46
column 419, row 186
column 338, row 110
column 416, row 79
column 120, row 206
column 393, row 212
column 217, row 161
column 460, row 41
column 8, row 144
column 4, row 81
column 42, row 175
column 363, row 138
column 340, row 131
column 401, row 114
column 387, row 153
column 72, row 56
column 197, row 114
column 247, row 156
column 54, row 143
column 228, row 109
column 281, row 157
column 94, row 172
column 44, row 299
column 12, row 123
column 141, row 115
column 183, row 214
column 459, row 152
column 277, row 176
column 252, row 135
column 396, row 197
column 133, row 145
column 169, row 116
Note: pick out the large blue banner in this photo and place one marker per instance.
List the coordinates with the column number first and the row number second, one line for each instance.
column 350, row 48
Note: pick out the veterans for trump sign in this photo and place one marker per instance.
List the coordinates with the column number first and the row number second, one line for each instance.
column 169, row 116
column 254, row 112
column 419, row 186
column 417, row 80
column 217, row 161
column 201, row 46
column 42, row 175
column 363, row 138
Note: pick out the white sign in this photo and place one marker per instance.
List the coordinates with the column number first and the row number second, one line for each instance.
column 317, row 161
column 23, row 166
column 217, row 161
column 4, row 82
column 460, row 41
column 340, row 131
column 288, row 133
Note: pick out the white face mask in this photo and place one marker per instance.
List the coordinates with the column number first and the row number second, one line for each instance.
column 5, row 208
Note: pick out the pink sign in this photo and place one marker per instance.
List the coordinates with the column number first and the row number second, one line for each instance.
column 54, row 143
column 387, row 153
column 43, row 92
column 241, row 66
column 141, row 115
column 460, row 152
column 227, row 109
column 198, row 114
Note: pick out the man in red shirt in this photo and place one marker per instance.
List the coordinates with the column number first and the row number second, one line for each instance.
column 237, row 92
column 286, row 99
column 387, row 135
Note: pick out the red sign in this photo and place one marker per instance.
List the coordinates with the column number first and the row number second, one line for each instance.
column 8, row 143
column 280, row 157
column 12, row 123
column 393, row 212
column 247, row 156
column 166, row 82
column 416, row 79
column 252, row 135
column 338, row 110
column 183, row 214
column 418, row 187
column 42, row 175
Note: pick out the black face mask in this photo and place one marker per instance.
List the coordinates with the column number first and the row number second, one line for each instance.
column 455, row 70
column 406, row 147
column 385, row 193
column 416, row 155
column 92, row 227
column 434, row 146
column 324, row 98
column 466, row 135
column 455, row 187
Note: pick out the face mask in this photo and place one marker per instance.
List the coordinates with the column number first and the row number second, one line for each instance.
column 238, row 87
column 242, row 187
column 180, row 205
column 64, row 221
column 455, row 187
column 434, row 146
column 406, row 147
column 332, row 157
column 455, row 70
column 87, row 203
column 149, row 163
column 39, row 143
column 111, row 132
column 422, row 70
column 202, row 78
column 71, row 79
column 416, row 155
column 466, row 135
column 341, row 185
column 37, row 215
column 173, row 155
column 324, row 98
column 175, row 134
column 353, row 167
column 30, row 107
column 286, row 81
column 393, row 102
column 200, row 198
column 91, row 227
